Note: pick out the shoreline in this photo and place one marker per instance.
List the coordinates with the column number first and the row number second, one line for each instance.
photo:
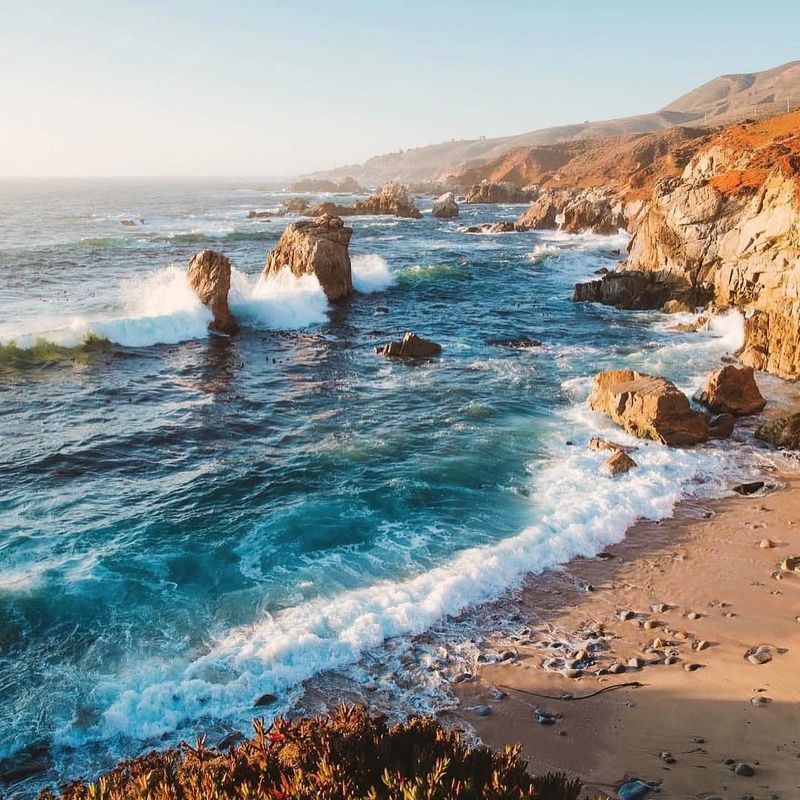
column 709, row 566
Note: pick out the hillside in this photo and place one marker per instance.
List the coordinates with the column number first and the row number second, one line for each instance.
column 725, row 99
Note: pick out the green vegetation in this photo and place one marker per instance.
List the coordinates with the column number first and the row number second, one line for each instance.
column 347, row 755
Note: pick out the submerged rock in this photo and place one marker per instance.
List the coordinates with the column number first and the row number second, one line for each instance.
column 445, row 206
column 648, row 407
column 316, row 247
column 720, row 426
column 209, row 275
column 262, row 215
column 411, row 346
column 749, row 488
column 731, row 390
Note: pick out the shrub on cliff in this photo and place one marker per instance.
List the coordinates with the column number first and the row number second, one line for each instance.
column 348, row 755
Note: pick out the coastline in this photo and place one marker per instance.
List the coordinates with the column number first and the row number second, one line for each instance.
column 695, row 563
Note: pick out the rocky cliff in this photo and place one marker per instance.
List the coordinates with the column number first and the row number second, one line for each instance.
column 725, row 231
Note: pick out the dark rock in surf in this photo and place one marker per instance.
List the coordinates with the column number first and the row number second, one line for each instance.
column 411, row 346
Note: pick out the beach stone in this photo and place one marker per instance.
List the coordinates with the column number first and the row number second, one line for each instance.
column 650, row 624
column 209, row 276
column 649, row 407
column 701, row 645
column 681, row 635
column 658, row 643
column 616, row 668
column 748, row 488
column 670, row 660
column 497, row 694
column 624, row 615
column 481, row 710
column 635, row 663
column 743, row 769
column 411, row 346
column 463, row 677
column 659, row 608
column 766, row 544
column 761, row 655
column 693, row 615
column 732, row 390
column 618, row 463
column 721, row 426
column 316, row 247
column 573, row 672
column 691, row 667
column 445, row 206
column 791, row 564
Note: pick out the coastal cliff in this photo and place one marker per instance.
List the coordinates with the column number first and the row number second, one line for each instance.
column 726, row 231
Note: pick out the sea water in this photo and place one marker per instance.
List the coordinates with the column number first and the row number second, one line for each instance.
column 189, row 521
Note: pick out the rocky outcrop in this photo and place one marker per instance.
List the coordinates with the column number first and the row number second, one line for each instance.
column 542, row 212
column 720, row 426
column 782, row 431
column 596, row 210
column 731, row 390
column 209, row 275
column 727, row 229
column 636, row 290
column 316, row 247
column 648, row 407
column 445, row 206
column 264, row 216
column 618, row 463
column 499, row 192
column 347, row 185
column 393, row 199
column 597, row 444
column 411, row 346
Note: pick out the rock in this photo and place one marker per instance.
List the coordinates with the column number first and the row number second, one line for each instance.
column 749, row 488
column 677, row 307
column 618, row 463
column 596, row 210
column 265, row 700
column 128, row 223
column 616, row 668
column 347, row 185
column 635, row 290
column 497, row 192
column 209, row 275
column 517, row 344
column 226, row 742
column 445, row 206
column 760, row 655
column 392, row 199
column 463, row 677
column 691, row 667
column 766, row 544
column 783, row 431
column 701, row 323
column 625, row 615
column 411, row 346
column 597, row 443
column 635, row 663
column 30, row 760
column 649, row 407
column 481, row 711
column 720, row 426
column 633, row 790
column 541, row 214
column 743, row 769
column 731, row 390
column 316, row 247
column 294, row 205
column 791, row 564
column 262, row 215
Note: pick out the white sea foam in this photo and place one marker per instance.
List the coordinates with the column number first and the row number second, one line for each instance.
column 371, row 273
column 282, row 301
column 576, row 513
column 161, row 308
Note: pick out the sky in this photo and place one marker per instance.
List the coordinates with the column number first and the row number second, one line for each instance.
column 271, row 88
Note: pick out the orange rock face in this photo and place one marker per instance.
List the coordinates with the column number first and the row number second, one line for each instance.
column 209, row 275
column 316, row 247
column 732, row 390
column 648, row 407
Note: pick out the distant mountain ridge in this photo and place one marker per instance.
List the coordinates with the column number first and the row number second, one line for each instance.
column 723, row 100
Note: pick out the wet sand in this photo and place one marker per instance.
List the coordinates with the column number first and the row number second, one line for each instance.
column 723, row 593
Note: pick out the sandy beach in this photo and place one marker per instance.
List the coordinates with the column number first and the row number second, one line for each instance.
column 702, row 590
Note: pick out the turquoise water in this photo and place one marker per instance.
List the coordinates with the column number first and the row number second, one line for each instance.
column 189, row 521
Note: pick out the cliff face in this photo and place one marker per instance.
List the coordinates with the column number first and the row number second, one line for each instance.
column 729, row 228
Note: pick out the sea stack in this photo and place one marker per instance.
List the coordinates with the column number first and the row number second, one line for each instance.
column 209, row 275
column 316, row 247
column 445, row 206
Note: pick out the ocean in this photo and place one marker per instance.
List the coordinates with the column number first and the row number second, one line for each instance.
column 190, row 521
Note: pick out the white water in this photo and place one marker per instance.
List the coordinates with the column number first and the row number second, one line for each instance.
column 371, row 273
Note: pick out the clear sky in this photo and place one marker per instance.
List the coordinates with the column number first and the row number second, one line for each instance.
column 247, row 88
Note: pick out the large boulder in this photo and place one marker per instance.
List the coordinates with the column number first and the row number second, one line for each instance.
column 595, row 210
column 618, row 463
column 411, row 346
column 783, row 431
column 541, row 213
column 209, row 275
column 445, row 206
column 316, row 247
column 648, row 406
column 636, row 290
column 731, row 390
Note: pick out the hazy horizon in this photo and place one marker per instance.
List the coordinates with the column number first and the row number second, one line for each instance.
column 271, row 91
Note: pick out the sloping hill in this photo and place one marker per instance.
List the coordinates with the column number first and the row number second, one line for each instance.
column 722, row 100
